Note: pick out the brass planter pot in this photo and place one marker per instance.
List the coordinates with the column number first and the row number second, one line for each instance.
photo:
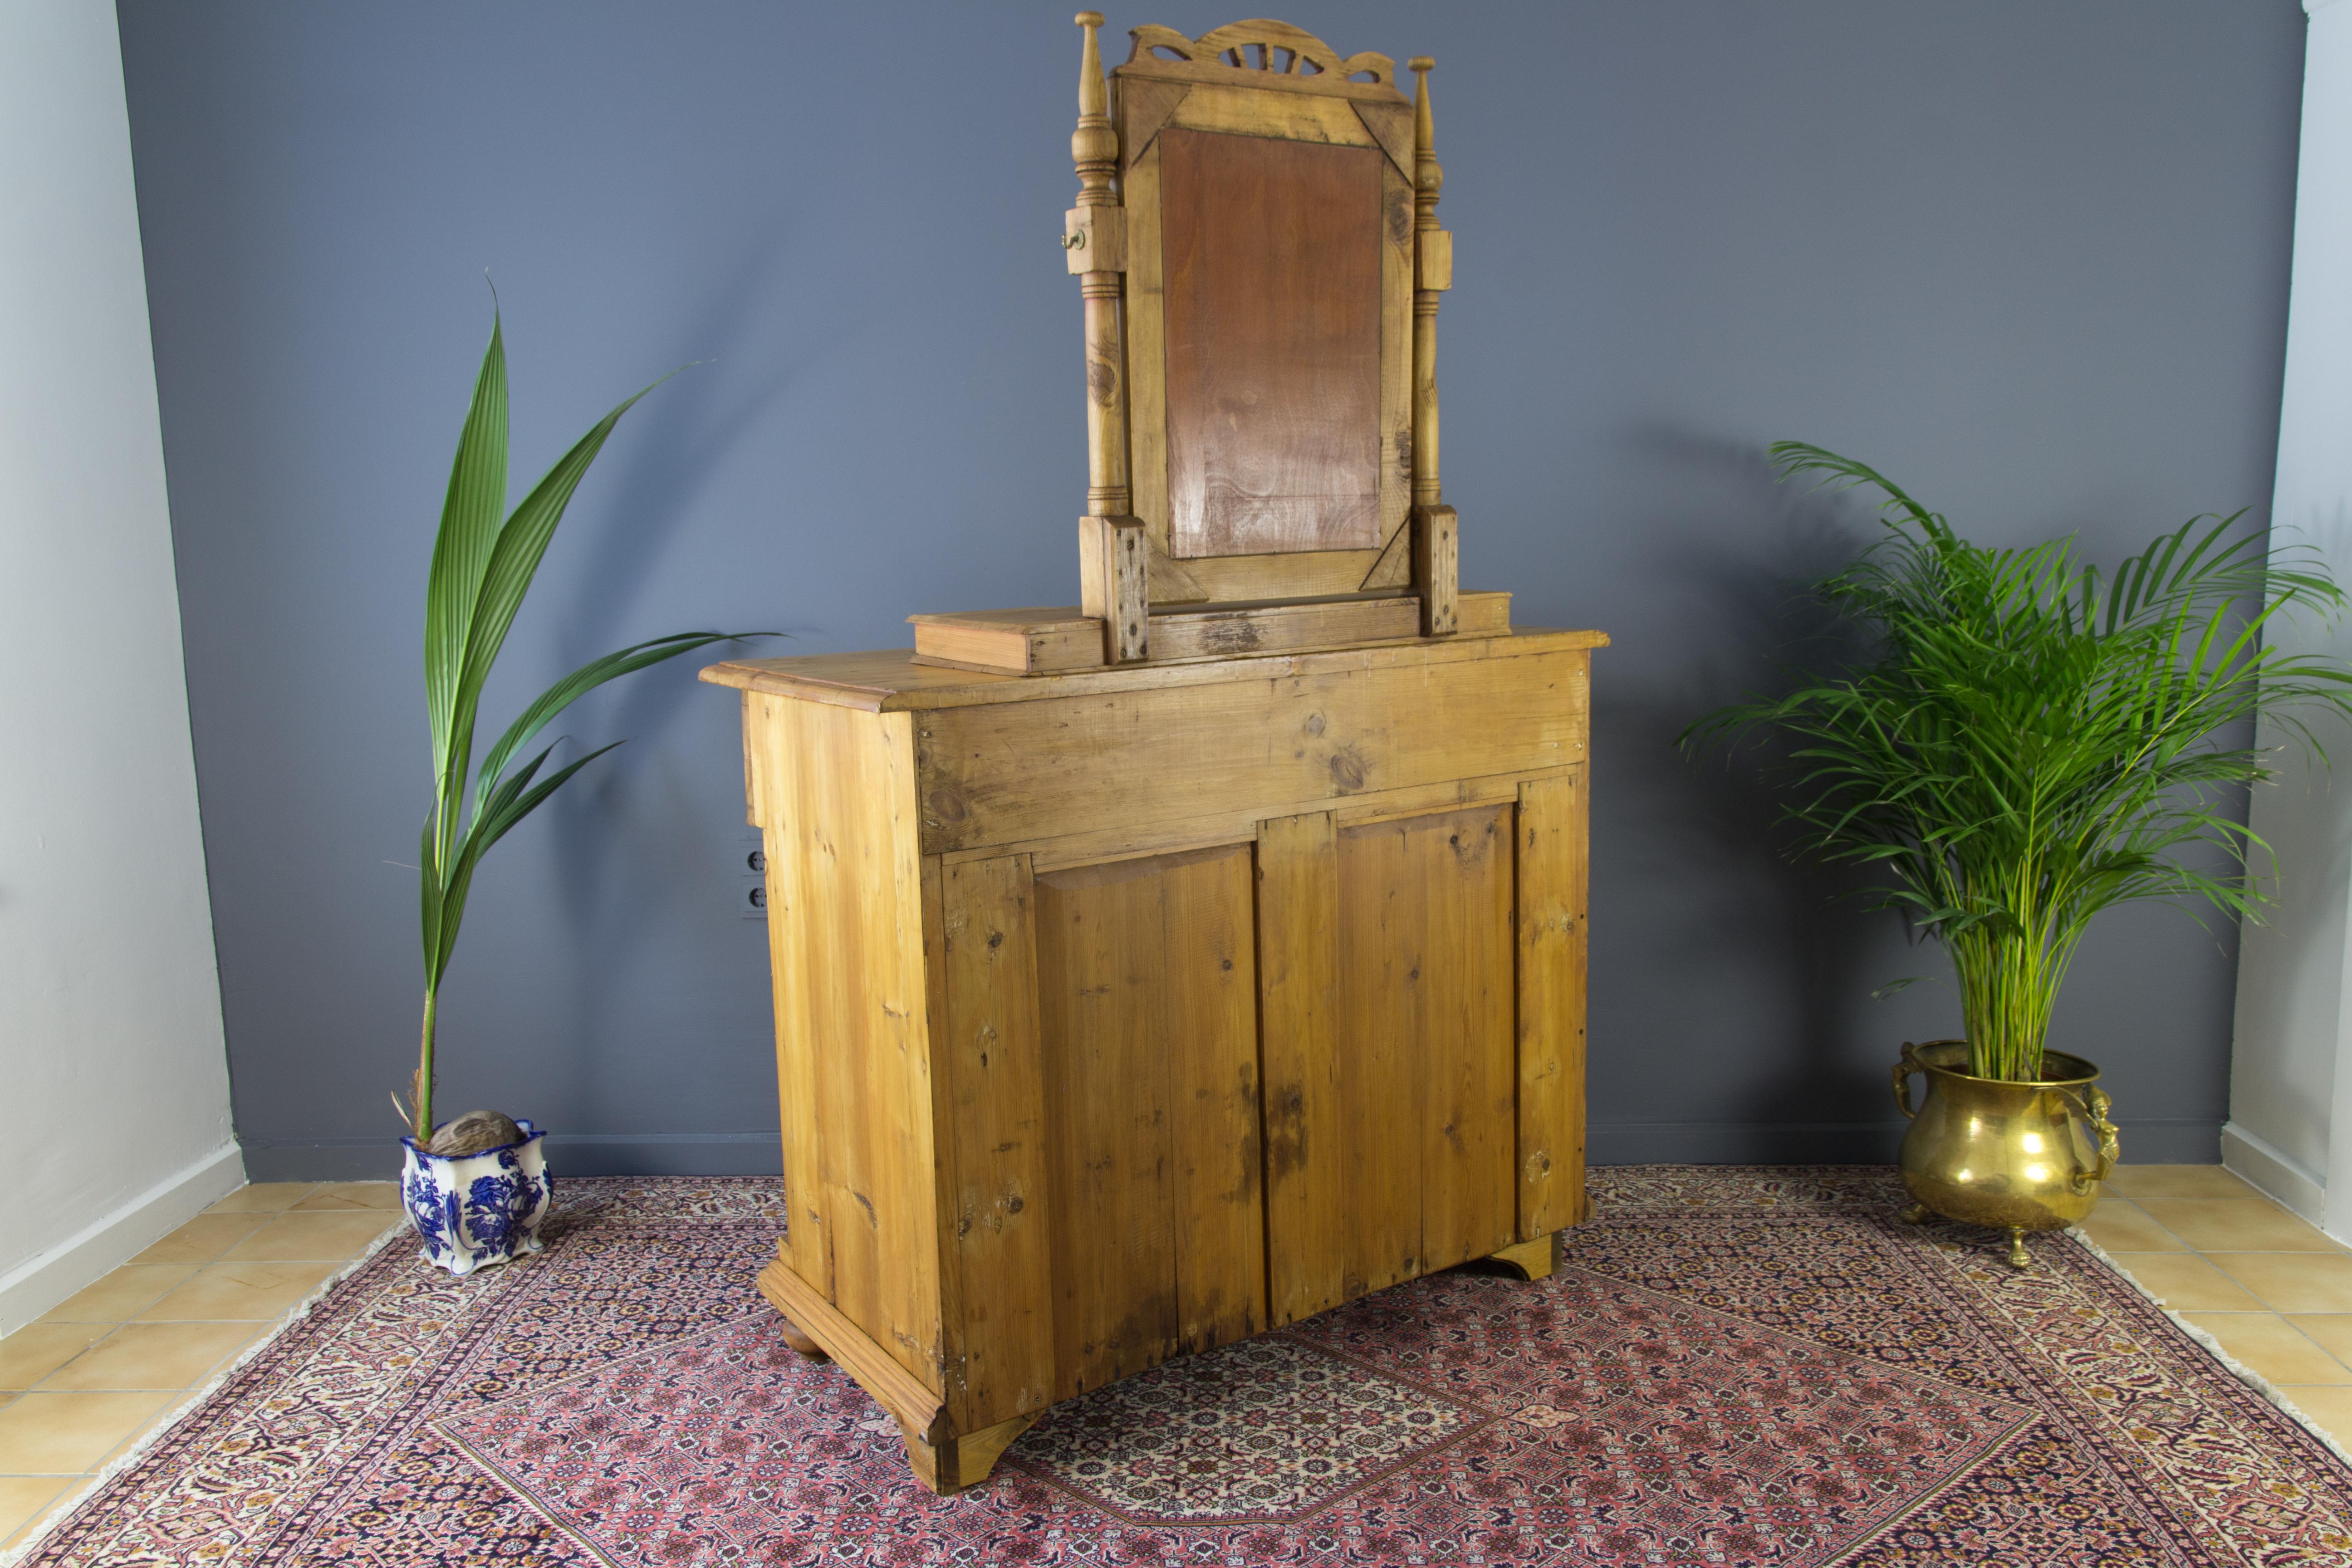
column 2018, row 1156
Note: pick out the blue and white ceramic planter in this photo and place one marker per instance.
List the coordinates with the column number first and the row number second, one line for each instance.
column 478, row 1209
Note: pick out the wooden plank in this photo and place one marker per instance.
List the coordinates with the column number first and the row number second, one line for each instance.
column 1396, row 350
column 1307, row 1201
column 1225, row 631
column 768, row 735
column 1464, row 1011
column 1380, row 1082
column 1312, row 575
column 946, row 1197
column 1168, row 836
column 1147, row 345
column 1208, row 1013
column 1232, row 109
column 1112, row 1201
column 838, row 813
column 1084, row 763
column 888, row 680
column 1551, row 840
column 1127, row 590
column 1437, row 569
column 1004, row 1366
column 1017, row 642
column 1273, row 410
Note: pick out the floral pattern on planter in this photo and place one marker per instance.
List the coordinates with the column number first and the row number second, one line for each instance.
column 476, row 1210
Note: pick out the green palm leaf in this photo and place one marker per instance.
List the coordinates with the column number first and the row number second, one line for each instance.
column 483, row 564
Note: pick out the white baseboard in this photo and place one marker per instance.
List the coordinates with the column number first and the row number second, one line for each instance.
column 34, row 1286
column 2260, row 1164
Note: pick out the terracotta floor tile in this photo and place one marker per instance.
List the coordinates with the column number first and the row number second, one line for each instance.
column 263, row 1197
column 2332, row 1330
column 337, row 1235
column 36, row 1350
column 2272, row 1346
column 24, row 1498
column 2227, row 1225
column 2141, row 1183
column 2293, row 1281
column 164, row 1356
column 2186, row 1282
column 203, row 1238
column 65, row 1434
column 139, row 1434
column 119, row 1295
column 352, row 1196
column 245, row 1291
column 2330, row 1405
column 2122, row 1227
column 48, row 1514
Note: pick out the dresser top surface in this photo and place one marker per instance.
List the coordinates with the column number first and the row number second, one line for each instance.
column 886, row 680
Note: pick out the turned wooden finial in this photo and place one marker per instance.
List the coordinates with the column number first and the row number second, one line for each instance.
column 1436, row 529
column 1428, row 178
column 1093, row 146
column 1111, row 548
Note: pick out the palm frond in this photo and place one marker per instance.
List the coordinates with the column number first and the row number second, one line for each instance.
column 484, row 560
column 2039, row 740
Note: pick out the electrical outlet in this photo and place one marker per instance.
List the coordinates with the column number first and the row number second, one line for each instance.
column 752, row 876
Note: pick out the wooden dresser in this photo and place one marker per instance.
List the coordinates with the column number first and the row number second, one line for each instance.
column 1123, row 1013
column 1169, row 966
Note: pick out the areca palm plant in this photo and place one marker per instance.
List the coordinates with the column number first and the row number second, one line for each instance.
column 2036, row 740
column 484, row 559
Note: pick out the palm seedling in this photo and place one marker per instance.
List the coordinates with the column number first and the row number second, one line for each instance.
column 2034, row 740
column 483, row 563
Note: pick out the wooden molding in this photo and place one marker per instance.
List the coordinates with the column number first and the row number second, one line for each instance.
column 1262, row 53
column 878, row 1372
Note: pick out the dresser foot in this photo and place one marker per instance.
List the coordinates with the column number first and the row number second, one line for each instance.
column 953, row 1461
column 1527, row 1260
column 799, row 1341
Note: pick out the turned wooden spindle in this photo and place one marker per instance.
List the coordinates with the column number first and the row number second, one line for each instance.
column 1433, row 274
column 1436, row 546
column 1095, row 237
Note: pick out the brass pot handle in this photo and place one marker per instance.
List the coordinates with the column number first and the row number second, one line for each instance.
column 1902, row 1071
column 2094, row 1115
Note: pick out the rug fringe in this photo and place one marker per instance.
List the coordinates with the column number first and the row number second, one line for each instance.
column 156, row 1434
column 2237, row 1369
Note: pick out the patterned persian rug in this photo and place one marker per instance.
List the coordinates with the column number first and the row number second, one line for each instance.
column 1734, row 1366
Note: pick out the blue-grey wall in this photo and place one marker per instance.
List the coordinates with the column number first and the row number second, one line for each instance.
column 2032, row 258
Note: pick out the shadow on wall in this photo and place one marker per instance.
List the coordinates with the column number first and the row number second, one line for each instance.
column 688, row 431
column 1791, row 941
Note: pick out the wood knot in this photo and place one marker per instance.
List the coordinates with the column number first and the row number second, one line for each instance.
column 1347, row 770
column 947, row 804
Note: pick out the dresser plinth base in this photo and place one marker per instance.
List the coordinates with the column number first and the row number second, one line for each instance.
column 944, row 1459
